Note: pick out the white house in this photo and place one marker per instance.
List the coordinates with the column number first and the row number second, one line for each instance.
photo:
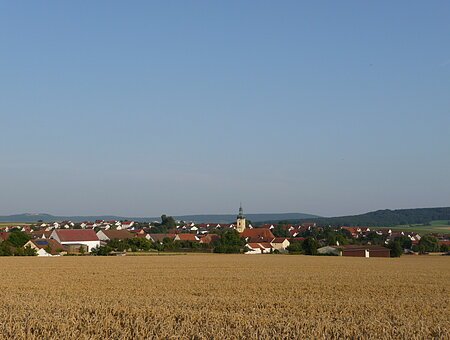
column 280, row 244
column 127, row 224
column 258, row 248
column 86, row 237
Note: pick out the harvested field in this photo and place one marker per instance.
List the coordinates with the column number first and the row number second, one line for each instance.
column 224, row 296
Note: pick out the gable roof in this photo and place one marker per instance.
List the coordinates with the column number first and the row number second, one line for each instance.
column 261, row 234
column 76, row 235
column 260, row 245
column 44, row 243
column 279, row 239
column 41, row 233
column 161, row 237
column 118, row 234
column 186, row 237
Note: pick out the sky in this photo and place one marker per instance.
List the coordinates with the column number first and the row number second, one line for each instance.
column 188, row 107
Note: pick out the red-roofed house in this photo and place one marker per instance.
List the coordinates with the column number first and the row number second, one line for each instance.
column 186, row 237
column 85, row 237
column 45, row 246
column 354, row 231
column 256, row 235
column 258, row 248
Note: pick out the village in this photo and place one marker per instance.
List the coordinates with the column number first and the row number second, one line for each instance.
column 121, row 237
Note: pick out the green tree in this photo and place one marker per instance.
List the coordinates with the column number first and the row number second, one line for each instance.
column 404, row 241
column 168, row 221
column 396, row 248
column 230, row 242
column 444, row 248
column 310, row 246
column 341, row 239
column 295, row 247
column 428, row 244
column 280, row 231
column 374, row 238
column 18, row 239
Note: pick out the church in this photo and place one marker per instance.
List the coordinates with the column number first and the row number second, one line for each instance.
column 240, row 222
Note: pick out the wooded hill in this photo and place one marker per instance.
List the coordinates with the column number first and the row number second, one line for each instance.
column 385, row 217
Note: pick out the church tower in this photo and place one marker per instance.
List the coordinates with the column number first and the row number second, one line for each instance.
column 240, row 223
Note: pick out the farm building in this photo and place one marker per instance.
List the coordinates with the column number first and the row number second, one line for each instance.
column 77, row 238
column 364, row 251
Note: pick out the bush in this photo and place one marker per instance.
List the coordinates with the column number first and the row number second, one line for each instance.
column 295, row 247
column 101, row 251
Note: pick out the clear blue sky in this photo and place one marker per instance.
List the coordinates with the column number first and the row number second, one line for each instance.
column 141, row 108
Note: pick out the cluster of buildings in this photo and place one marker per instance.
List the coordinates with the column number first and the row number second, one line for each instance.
column 67, row 237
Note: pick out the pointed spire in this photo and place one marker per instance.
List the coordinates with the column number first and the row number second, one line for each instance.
column 241, row 211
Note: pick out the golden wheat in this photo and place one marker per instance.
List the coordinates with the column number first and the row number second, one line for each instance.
column 224, row 296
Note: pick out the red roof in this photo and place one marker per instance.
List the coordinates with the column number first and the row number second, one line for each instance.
column 118, row 234
column 254, row 245
column 260, row 245
column 261, row 234
column 279, row 239
column 141, row 235
column 187, row 237
column 76, row 235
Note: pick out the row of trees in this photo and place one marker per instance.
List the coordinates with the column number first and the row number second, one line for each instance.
column 229, row 242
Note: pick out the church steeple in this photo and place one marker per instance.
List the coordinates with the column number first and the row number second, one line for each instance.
column 241, row 212
column 240, row 223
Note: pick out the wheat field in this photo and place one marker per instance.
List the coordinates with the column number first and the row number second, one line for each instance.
column 224, row 297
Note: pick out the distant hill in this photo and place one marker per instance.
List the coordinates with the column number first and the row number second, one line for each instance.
column 225, row 218
column 252, row 217
column 385, row 217
column 375, row 218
